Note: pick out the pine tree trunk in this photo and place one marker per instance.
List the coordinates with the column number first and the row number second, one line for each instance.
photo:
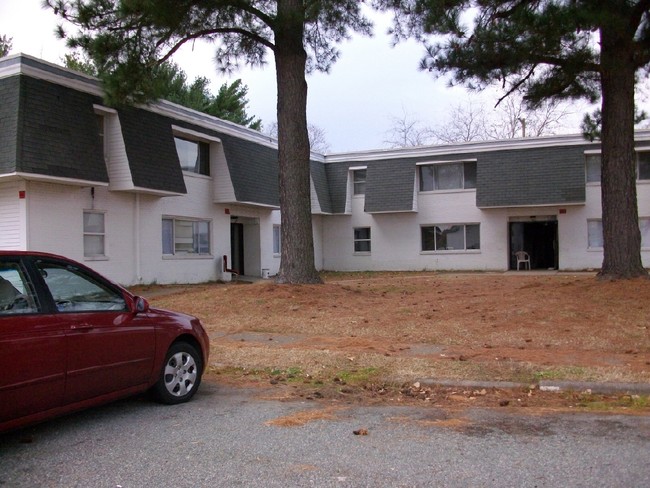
column 621, row 235
column 297, row 253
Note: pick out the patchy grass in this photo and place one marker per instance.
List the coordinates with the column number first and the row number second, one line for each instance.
column 369, row 329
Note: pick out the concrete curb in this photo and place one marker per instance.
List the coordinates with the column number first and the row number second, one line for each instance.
column 552, row 386
column 601, row 388
column 474, row 384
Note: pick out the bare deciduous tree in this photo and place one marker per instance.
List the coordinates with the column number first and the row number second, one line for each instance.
column 466, row 123
column 407, row 131
column 473, row 122
column 317, row 137
column 515, row 119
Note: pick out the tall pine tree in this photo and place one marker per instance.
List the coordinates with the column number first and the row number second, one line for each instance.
column 228, row 104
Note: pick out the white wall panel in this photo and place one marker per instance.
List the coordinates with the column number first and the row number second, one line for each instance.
column 12, row 217
column 396, row 237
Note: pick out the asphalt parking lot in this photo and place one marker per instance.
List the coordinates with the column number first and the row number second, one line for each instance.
column 239, row 437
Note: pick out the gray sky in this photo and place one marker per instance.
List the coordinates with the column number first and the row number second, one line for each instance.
column 355, row 104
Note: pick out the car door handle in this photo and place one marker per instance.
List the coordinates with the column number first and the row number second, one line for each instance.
column 82, row 327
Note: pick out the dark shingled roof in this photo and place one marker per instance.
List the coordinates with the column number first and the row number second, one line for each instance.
column 50, row 129
column 151, row 150
column 253, row 170
column 9, row 94
column 319, row 177
column 390, row 186
column 536, row 176
column 518, row 177
column 55, row 131
column 337, row 177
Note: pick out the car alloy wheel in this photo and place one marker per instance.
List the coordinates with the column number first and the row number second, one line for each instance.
column 181, row 374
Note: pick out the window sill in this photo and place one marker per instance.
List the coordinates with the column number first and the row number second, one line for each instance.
column 638, row 182
column 196, row 175
column 361, row 253
column 451, row 251
column 96, row 258
column 181, row 257
column 453, row 190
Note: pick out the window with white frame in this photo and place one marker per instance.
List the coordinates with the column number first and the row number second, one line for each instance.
column 595, row 233
column 276, row 239
column 94, row 234
column 447, row 176
column 359, row 181
column 181, row 236
column 194, row 156
column 362, row 239
column 448, row 237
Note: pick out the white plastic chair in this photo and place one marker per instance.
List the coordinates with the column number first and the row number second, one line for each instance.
column 522, row 257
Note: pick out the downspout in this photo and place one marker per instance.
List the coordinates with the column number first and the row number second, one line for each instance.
column 136, row 234
column 25, row 237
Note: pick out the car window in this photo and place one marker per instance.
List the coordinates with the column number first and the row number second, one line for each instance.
column 16, row 293
column 75, row 291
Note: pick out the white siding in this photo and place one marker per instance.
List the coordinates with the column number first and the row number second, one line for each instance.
column 643, row 200
column 50, row 218
column 117, row 163
column 396, row 239
column 317, row 228
column 133, row 239
column 197, row 204
column 12, row 217
column 315, row 204
column 574, row 250
column 133, row 231
column 258, row 238
column 56, row 225
column 224, row 190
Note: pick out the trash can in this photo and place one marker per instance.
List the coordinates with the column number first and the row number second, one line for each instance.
column 265, row 273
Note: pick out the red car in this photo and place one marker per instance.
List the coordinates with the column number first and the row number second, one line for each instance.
column 71, row 339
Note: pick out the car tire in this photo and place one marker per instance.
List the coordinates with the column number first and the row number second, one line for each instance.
column 180, row 376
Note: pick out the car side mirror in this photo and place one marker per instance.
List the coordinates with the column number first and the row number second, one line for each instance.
column 141, row 305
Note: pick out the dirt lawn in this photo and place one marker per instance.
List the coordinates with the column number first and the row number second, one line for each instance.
column 370, row 331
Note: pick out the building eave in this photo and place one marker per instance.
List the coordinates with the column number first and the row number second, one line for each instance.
column 50, row 179
column 23, row 64
column 539, row 205
column 641, row 135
